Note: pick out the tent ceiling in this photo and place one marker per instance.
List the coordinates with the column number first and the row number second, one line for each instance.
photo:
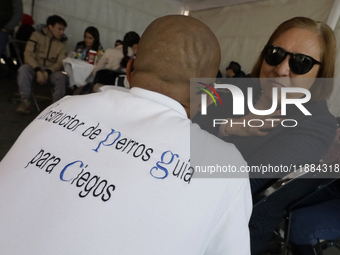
column 195, row 5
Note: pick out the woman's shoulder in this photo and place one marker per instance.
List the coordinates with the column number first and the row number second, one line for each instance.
column 111, row 50
column 318, row 106
column 320, row 123
column 310, row 109
column 320, row 109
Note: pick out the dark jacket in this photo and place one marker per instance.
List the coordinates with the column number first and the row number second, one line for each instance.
column 10, row 14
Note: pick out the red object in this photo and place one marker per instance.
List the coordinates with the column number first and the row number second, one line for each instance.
column 92, row 56
column 27, row 20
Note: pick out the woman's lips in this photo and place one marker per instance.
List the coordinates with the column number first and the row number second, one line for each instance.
column 276, row 83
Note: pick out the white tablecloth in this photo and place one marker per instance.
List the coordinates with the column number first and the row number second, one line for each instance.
column 79, row 71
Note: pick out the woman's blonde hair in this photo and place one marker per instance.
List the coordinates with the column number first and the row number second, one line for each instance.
column 328, row 52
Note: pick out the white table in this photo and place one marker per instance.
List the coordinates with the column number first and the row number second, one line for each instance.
column 79, row 71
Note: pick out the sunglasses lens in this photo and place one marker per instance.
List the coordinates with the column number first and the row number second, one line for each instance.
column 274, row 55
column 301, row 64
column 298, row 63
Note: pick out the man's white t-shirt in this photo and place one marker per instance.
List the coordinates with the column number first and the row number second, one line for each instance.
column 109, row 173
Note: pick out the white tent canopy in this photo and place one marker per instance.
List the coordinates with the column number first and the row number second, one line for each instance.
column 113, row 18
column 241, row 26
column 196, row 5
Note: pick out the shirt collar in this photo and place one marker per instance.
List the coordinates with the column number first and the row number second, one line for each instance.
column 159, row 98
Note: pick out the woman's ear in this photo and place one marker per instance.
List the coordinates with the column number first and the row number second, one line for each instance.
column 129, row 69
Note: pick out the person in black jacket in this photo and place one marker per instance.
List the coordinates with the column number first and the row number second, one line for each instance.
column 10, row 16
column 21, row 35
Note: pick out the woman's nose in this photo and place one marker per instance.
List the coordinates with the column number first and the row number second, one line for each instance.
column 283, row 70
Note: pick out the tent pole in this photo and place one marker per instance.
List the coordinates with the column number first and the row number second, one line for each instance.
column 32, row 8
column 334, row 14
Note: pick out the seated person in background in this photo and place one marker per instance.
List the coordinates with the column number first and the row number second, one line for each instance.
column 233, row 70
column 44, row 53
column 118, row 42
column 23, row 33
column 117, row 58
column 219, row 74
column 107, row 181
column 25, row 30
column 91, row 42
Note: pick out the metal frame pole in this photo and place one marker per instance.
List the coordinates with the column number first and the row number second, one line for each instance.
column 334, row 14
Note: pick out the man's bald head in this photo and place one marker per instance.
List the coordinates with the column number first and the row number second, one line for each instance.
column 172, row 50
column 178, row 47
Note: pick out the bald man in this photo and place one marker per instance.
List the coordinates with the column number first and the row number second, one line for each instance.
column 109, row 173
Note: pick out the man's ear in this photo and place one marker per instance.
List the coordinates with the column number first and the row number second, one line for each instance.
column 134, row 48
column 129, row 69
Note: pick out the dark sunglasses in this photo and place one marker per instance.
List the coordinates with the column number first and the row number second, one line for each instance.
column 298, row 63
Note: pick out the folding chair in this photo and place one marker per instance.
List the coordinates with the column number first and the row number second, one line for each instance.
column 278, row 204
column 34, row 97
column 105, row 77
column 17, row 49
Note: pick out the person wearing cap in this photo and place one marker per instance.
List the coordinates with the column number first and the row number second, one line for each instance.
column 22, row 34
column 43, row 55
column 112, row 172
column 25, row 30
